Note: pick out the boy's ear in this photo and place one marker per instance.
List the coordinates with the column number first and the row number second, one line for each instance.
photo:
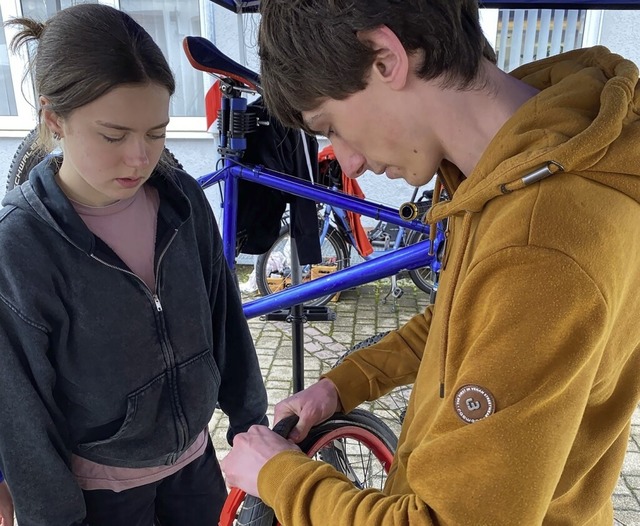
column 391, row 64
column 50, row 118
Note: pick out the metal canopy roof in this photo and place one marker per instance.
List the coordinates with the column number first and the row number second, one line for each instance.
column 252, row 6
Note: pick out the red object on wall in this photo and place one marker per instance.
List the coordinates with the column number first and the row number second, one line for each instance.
column 212, row 104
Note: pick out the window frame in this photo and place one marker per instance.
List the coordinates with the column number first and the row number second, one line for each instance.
column 26, row 119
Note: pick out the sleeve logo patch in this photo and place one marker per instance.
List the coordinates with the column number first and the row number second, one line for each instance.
column 473, row 403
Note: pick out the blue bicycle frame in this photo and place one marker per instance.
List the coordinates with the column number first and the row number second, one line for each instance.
column 407, row 258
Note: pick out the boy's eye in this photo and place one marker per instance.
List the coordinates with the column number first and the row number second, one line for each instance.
column 157, row 137
column 113, row 139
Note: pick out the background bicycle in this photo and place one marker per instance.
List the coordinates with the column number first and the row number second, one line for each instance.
column 340, row 247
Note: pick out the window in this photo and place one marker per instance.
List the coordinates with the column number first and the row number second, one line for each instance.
column 526, row 35
column 168, row 22
column 7, row 97
column 43, row 9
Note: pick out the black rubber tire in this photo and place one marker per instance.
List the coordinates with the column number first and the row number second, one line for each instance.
column 26, row 157
column 392, row 407
column 424, row 278
column 254, row 512
column 29, row 154
column 333, row 248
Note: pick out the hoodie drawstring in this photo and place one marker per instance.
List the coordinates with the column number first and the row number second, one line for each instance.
column 433, row 227
column 447, row 301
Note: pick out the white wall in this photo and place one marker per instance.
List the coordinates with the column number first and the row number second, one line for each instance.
column 619, row 33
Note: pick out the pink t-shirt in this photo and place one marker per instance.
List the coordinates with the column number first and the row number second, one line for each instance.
column 129, row 228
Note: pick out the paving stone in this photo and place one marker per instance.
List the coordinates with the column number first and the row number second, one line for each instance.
column 280, row 373
column 625, row 502
column 628, row 517
column 631, row 463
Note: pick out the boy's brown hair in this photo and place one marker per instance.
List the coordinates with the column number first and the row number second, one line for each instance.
column 310, row 50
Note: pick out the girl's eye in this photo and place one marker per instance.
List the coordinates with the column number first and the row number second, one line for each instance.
column 113, row 139
column 157, row 137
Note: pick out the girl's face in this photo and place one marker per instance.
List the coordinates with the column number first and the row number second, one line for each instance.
column 112, row 145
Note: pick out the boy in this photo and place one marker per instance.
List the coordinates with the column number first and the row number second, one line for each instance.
column 526, row 368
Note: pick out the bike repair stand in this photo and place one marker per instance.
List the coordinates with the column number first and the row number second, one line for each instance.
column 297, row 316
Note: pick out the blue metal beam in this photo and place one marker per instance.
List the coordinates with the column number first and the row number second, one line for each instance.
column 252, row 6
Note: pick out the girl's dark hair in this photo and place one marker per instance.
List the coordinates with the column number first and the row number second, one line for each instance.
column 310, row 50
column 85, row 51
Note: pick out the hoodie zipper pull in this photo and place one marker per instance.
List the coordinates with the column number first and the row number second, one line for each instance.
column 156, row 300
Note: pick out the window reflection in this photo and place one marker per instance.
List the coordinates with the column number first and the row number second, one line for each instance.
column 168, row 22
column 43, row 9
column 7, row 97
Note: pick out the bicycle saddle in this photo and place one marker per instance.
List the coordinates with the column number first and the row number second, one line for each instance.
column 205, row 56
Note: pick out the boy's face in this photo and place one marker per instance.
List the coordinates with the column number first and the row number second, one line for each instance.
column 375, row 129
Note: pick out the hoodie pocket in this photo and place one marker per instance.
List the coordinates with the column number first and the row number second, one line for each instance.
column 198, row 386
column 148, row 431
column 151, row 432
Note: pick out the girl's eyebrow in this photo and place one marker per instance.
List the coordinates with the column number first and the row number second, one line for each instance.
column 124, row 128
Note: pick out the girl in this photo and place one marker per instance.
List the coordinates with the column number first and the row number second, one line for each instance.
column 120, row 323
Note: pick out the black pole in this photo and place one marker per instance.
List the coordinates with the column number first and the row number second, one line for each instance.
column 297, row 320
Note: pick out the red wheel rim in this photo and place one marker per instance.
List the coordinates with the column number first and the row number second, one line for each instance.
column 376, row 446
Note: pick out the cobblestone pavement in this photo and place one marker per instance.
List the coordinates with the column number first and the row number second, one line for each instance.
column 361, row 314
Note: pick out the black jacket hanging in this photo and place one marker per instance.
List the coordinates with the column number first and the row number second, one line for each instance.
column 260, row 208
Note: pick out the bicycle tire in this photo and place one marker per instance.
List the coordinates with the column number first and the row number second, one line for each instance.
column 29, row 153
column 335, row 254
column 391, row 408
column 327, row 441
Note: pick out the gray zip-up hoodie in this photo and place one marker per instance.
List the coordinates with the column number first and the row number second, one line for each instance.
column 93, row 363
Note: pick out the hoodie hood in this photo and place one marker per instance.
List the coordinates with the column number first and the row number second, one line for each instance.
column 42, row 198
column 586, row 120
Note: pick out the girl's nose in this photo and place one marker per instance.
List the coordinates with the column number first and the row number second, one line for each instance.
column 137, row 154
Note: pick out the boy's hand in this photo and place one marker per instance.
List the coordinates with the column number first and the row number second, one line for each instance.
column 6, row 506
column 313, row 405
column 250, row 452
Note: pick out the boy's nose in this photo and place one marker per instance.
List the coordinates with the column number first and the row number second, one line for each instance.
column 352, row 163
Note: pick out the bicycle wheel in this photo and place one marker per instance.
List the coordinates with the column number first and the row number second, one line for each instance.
column 29, row 154
column 273, row 268
column 26, row 157
column 392, row 407
column 425, row 278
column 357, row 444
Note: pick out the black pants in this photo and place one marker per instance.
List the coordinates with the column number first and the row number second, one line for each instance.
column 193, row 496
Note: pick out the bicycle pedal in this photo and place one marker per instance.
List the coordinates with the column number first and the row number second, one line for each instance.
column 397, row 293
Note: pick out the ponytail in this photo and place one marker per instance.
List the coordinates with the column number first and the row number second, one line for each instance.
column 31, row 31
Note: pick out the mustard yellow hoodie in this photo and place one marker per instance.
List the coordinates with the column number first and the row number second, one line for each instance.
column 523, row 394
